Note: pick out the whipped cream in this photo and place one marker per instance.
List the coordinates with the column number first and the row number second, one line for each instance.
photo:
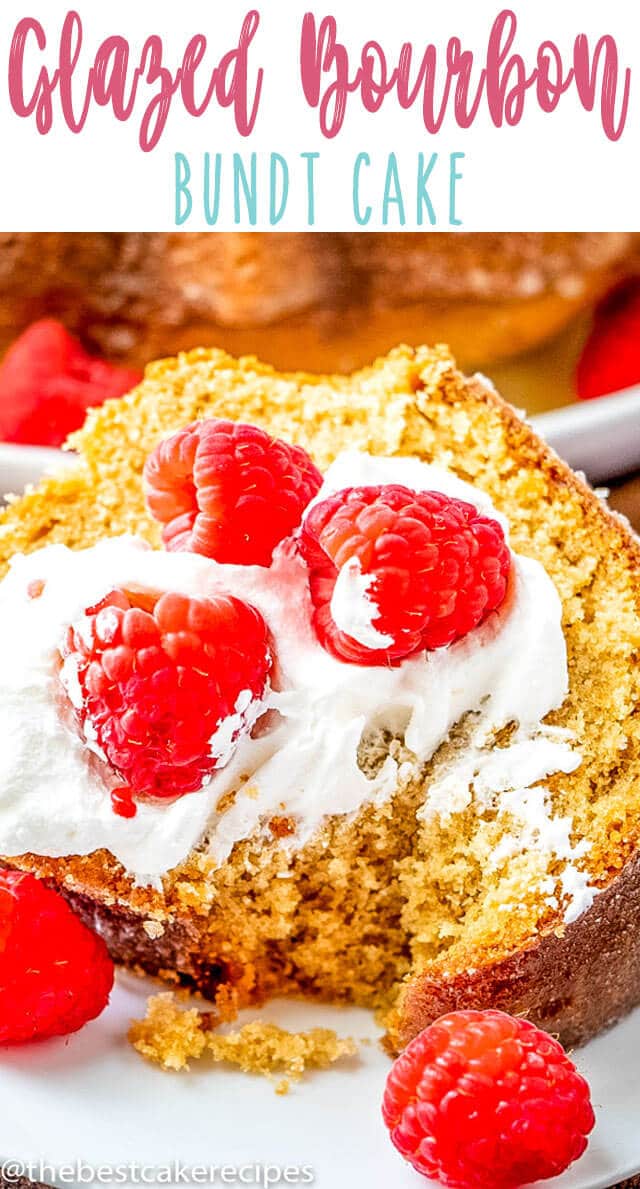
column 501, row 779
column 304, row 764
column 353, row 608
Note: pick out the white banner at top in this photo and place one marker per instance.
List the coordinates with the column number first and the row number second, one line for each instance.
column 346, row 116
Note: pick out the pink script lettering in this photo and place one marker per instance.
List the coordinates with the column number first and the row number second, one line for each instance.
column 115, row 80
column 456, row 82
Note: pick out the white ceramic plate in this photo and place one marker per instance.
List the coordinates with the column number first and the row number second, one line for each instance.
column 20, row 465
column 93, row 1099
column 600, row 437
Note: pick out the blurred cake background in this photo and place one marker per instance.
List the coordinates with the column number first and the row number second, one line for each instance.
column 516, row 304
column 519, row 306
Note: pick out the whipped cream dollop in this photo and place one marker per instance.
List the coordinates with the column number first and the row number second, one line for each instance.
column 304, row 764
column 353, row 608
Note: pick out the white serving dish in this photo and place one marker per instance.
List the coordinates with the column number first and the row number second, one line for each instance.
column 600, row 437
column 91, row 1098
column 21, row 465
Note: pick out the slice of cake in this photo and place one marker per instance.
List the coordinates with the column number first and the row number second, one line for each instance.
column 408, row 807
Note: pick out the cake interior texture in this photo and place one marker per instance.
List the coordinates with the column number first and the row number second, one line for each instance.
column 404, row 915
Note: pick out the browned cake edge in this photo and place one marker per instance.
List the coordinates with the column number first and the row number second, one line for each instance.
column 580, row 979
column 574, row 984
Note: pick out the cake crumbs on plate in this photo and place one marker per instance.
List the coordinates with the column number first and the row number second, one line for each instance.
column 171, row 1036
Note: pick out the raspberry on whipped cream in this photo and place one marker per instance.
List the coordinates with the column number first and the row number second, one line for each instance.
column 304, row 765
column 353, row 607
column 430, row 568
column 164, row 686
column 228, row 490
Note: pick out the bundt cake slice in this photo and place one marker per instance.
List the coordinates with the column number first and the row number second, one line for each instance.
column 479, row 843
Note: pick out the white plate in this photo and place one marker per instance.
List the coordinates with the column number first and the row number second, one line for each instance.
column 600, row 437
column 93, row 1099
column 20, row 465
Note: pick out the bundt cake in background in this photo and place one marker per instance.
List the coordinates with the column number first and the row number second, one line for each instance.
column 321, row 302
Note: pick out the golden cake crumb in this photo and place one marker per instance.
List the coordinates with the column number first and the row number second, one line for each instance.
column 170, row 1036
column 264, row 1048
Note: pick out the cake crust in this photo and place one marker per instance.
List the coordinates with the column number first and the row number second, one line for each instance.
column 574, row 983
column 442, row 950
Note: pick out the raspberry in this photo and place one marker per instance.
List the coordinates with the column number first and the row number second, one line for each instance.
column 48, row 381
column 228, row 490
column 430, row 569
column 610, row 359
column 55, row 974
column 481, row 1098
column 158, row 676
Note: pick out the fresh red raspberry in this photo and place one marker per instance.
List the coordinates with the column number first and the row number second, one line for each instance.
column 433, row 566
column 55, row 974
column 610, row 360
column 228, row 490
column 481, row 1098
column 48, row 381
column 158, row 676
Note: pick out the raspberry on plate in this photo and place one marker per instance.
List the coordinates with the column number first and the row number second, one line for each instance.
column 48, row 381
column 483, row 1099
column 610, row 360
column 164, row 687
column 55, row 974
column 394, row 571
column 228, row 490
